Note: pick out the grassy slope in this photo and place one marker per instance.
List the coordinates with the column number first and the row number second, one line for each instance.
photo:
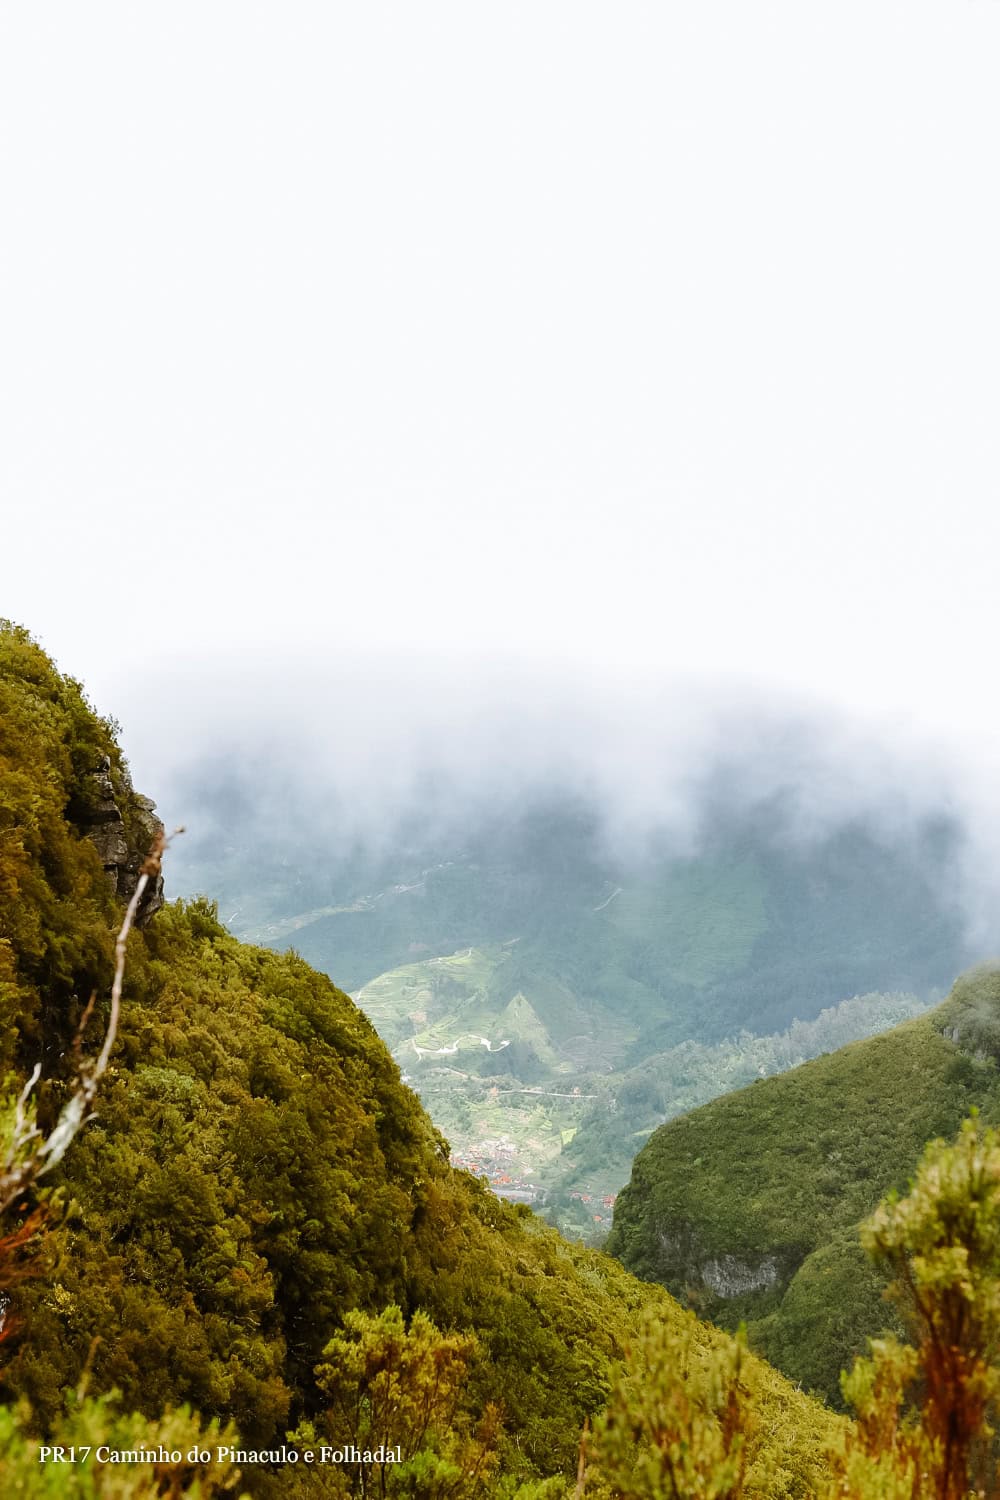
column 773, row 1180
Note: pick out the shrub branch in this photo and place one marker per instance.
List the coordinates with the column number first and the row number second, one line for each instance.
column 31, row 1154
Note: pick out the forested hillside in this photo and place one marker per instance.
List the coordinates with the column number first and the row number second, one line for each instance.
column 748, row 1207
column 259, row 1182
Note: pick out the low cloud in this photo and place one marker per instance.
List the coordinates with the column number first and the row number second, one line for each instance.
column 338, row 755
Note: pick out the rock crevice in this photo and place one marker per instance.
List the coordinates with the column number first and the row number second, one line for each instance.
column 122, row 825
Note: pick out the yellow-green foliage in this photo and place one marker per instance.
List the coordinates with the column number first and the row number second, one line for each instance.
column 682, row 1419
column 90, row 1425
column 388, row 1386
column 55, row 910
column 884, row 1455
column 942, row 1241
column 677, row 1424
column 258, row 1173
column 691, row 1414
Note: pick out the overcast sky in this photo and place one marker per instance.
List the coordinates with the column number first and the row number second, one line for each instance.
column 646, row 339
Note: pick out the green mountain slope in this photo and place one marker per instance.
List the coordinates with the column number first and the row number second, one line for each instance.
column 594, row 1165
column 532, row 1108
column 651, row 948
column 537, row 984
column 748, row 1206
column 258, row 1169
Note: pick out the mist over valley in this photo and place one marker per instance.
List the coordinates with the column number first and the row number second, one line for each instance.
column 572, row 915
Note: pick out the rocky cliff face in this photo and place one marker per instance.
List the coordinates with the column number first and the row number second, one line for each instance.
column 735, row 1275
column 685, row 1265
column 122, row 825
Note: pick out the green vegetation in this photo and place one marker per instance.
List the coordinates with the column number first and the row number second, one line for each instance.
column 488, row 1069
column 533, row 980
column 388, row 1386
column 259, row 1188
column 681, row 1422
column 614, row 1127
column 92, row 1423
column 748, row 1207
column 261, row 1239
column 942, row 1244
column 622, row 954
column 55, row 910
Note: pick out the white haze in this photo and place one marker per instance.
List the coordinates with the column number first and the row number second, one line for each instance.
column 656, row 338
column 541, row 393
column 346, row 753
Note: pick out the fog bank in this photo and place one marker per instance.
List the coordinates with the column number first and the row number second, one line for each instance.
column 339, row 755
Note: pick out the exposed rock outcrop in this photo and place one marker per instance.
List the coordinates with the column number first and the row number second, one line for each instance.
column 735, row 1275
column 684, row 1264
column 122, row 826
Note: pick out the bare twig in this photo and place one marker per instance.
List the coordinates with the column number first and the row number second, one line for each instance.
column 30, row 1155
